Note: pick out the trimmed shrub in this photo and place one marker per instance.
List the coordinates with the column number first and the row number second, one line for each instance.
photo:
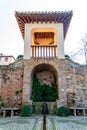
column 20, row 57
column 62, row 111
column 67, row 56
column 26, row 111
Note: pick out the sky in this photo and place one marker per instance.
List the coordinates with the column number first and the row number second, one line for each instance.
column 11, row 41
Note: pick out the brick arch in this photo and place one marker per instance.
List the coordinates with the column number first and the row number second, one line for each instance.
column 48, row 67
column 39, row 61
column 28, row 72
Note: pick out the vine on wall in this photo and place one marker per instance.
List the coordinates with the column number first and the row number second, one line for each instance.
column 43, row 92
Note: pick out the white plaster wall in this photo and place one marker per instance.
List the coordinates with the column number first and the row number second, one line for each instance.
column 60, row 36
column 3, row 62
column 27, row 42
column 28, row 38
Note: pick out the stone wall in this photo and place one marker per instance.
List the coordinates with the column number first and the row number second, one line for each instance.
column 76, row 82
column 11, row 86
column 45, row 77
column 71, row 79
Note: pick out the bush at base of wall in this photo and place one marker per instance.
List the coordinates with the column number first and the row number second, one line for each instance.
column 62, row 111
column 26, row 111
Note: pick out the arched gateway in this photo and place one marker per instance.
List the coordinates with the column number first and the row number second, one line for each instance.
column 44, row 83
column 44, row 87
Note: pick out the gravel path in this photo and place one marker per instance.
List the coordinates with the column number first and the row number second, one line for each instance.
column 21, row 123
column 66, row 123
column 36, row 123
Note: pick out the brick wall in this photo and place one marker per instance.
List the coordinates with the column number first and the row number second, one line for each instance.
column 11, row 86
column 71, row 79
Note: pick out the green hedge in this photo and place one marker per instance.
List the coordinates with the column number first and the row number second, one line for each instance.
column 26, row 111
column 62, row 111
column 67, row 56
column 19, row 56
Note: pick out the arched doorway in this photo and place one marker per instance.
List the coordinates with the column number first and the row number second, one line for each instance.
column 44, row 83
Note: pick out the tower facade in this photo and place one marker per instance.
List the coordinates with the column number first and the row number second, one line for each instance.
column 43, row 33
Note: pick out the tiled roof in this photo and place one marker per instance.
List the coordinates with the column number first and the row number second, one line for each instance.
column 56, row 17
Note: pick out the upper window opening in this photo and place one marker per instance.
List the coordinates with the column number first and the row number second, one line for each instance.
column 44, row 36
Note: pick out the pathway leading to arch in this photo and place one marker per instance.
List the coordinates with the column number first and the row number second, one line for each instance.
column 36, row 123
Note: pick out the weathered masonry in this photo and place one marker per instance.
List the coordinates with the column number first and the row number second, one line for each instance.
column 44, row 34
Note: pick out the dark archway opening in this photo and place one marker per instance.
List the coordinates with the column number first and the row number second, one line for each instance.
column 44, row 84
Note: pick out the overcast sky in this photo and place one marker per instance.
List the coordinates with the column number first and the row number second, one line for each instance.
column 11, row 41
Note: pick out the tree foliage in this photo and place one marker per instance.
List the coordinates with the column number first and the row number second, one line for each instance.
column 19, row 56
column 67, row 56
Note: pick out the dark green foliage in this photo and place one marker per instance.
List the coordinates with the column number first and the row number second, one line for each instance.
column 48, row 93
column 36, row 95
column 17, row 91
column 62, row 111
column 37, row 107
column 26, row 111
column 19, row 56
column 43, row 92
column 2, row 104
column 0, row 97
column 67, row 56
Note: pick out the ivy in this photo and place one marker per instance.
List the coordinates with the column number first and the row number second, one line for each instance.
column 43, row 92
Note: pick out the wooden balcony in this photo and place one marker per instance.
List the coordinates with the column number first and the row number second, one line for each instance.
column 44, row 51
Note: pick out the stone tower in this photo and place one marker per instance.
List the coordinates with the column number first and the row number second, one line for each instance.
column 44, row 34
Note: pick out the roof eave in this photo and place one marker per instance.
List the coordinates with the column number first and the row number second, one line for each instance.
column 32, row 17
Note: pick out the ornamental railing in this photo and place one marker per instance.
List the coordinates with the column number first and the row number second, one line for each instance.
column 44, row 51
